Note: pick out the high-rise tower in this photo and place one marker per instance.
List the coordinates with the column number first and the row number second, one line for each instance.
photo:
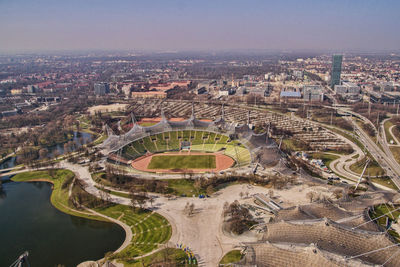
column 336, row 70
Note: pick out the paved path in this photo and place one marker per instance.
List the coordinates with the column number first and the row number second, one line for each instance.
column 393, row 135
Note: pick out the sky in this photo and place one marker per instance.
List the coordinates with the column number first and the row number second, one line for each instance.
column 323, row 25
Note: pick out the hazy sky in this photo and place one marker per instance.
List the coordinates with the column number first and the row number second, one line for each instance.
column 199, row 25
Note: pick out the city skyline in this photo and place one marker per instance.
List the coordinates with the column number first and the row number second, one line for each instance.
column 184, row 25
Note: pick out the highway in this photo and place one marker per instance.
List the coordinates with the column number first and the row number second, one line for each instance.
column 384, row 158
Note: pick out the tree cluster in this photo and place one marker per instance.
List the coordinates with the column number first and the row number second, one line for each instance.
column 237, row 218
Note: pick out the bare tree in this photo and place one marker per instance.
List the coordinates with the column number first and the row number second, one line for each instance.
column 271, row 193
column 191, row 209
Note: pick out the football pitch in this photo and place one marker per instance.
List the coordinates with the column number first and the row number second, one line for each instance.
column 172, row 162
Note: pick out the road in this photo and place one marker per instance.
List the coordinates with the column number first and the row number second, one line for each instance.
column 384, row 158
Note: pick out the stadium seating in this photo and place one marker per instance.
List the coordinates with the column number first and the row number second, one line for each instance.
column 200, row 141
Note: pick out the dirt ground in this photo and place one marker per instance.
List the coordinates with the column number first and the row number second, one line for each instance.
column 222, row 162
column 202, row 232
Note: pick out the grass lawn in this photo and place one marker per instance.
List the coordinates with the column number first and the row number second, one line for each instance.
column 184, row 187
column 396, row 132
column 146, row 124
column 231, row 257
column 387, row 125
column 100, row 139
column 396, row 152
column 385, row 181
column 293, row 145
column 61, row 180
column 326, row 158
column 165, row 257
column 373, row 168
column 183, row 162
column 149, row 230
column 115, row 193
column 382, row 209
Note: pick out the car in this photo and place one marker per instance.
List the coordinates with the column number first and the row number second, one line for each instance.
column 344, row 182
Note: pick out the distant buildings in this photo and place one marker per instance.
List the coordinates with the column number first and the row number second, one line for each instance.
column 388, row 86
column 16, row 91
column 31, row 89
column 336, row 70
column 313, row 93
column 347, row 88
column 149, row 94
column 298, row 74
column 9, row 113
column 101, row 88
column 290, row 95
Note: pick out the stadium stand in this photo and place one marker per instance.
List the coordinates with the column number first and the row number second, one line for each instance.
column 278, row 255
column 372, row 247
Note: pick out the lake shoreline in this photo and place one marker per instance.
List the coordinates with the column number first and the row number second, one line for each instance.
column 73, row 212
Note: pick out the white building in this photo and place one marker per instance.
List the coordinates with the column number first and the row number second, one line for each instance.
column 347, row 88
column 313, row 93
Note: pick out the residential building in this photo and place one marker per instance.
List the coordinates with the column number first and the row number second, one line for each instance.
column 101, row 88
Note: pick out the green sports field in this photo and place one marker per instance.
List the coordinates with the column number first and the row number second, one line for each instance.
column 172, row 162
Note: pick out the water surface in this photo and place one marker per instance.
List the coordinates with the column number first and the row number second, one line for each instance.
column 28, row 222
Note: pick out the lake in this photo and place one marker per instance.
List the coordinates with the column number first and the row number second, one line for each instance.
column 28, row 222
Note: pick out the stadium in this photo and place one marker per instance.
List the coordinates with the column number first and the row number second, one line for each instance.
column 190, row 146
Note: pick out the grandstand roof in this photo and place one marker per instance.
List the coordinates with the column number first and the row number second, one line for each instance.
column 251, row 140
column 336, row 238
column 280, row 254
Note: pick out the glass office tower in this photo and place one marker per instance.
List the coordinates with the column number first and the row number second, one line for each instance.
column 336, row 70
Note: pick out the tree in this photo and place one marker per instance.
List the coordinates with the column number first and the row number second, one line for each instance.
column 210, row 190
column 138, row 199
column 191, row 209
column 312, row 196
column 151, row 200
column 43, row 153
column 52, row 173
column 238, row 218
column 271, row 193
column 241, row 194
column 337, row 193
column 56, row 154
column 66, row 148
